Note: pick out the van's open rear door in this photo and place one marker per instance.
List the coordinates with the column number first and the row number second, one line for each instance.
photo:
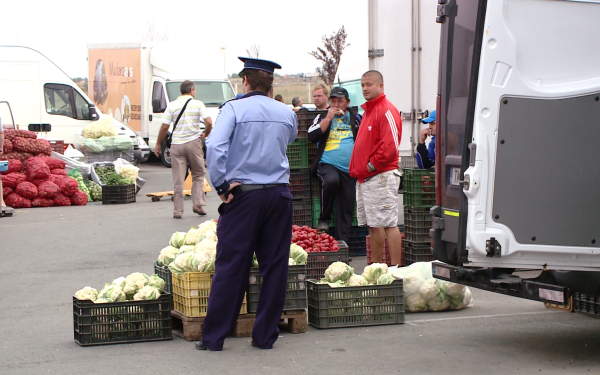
column 460, row 47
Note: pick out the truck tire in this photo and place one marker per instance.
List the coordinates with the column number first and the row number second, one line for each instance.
column 165, row 155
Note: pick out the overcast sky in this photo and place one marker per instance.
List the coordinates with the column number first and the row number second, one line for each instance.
column 285, row 30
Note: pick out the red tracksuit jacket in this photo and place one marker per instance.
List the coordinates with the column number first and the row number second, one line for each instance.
column 378, row 139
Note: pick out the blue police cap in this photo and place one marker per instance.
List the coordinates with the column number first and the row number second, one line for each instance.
column 258, row 64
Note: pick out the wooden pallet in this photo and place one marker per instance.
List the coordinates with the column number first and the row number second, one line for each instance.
column 190, row 329
column 187, row 190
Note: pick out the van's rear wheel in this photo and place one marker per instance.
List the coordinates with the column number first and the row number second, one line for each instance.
column 165, row 155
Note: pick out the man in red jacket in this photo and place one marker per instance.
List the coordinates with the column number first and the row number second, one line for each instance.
column 374, row 164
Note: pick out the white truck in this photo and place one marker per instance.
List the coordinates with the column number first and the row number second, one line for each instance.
column 517, row 159
column 136, row 81
column 42, row 96
column 404, row 45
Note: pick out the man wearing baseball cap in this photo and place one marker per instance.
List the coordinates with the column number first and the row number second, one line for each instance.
column 335, row 134
column 249, row 169
column 427, row 153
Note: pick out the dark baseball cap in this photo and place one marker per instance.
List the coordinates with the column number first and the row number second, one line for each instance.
column 339, row 92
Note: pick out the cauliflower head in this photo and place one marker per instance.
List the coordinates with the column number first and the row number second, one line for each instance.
column 338, row 271
column 157, row 282
column 147, row 293
column 167, row 255
column 385, row 279
column 203, row 261
column 192, row 237
column 291, row 262
column 428, row 290
column 135, row 282
column 298, row 254
column 415, row 303
column 179, row 265
column 356, row 280
column 114, row 293
column 207, row 226
column 206, row 244
column 373, row 271
column 87, row 293
column 177, row 239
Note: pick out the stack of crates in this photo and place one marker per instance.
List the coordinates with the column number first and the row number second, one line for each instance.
column 419, row 197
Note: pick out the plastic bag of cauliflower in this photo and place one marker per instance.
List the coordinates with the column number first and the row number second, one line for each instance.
column 126, row 169
column 422, row 292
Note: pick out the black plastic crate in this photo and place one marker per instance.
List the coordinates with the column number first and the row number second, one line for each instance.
column 165, row 274
column 417, row 252
column 355, row 306
column 357, row 241
column 122, row 322
column 118, row 194
column 589, row 305
column 417, row 222
column 300, row 183
column 315, row 187
column 312, row 152
column 295, row 295
column 317, row 263
column 302, row 210
column 305, row 120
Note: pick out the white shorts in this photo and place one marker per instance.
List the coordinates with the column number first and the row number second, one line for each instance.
column 377, row 200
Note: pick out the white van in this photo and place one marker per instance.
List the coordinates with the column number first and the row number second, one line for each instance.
column 41, row 93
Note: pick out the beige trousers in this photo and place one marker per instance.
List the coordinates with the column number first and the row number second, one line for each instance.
column 181, row 155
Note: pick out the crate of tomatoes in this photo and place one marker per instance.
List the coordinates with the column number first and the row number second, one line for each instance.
column 322, row 250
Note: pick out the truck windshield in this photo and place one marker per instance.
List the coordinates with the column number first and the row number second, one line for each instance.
column 212, row 94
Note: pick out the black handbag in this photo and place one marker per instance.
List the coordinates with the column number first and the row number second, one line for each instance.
column 169, row 136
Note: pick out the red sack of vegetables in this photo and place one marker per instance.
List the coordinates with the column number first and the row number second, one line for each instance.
column 39, row 181
column 59, row 172
column 54, row 163
column 8, row 146
column 14, row 166
column 69, row 186
column 62, row 200
column 48, row 190
column 21, row 133
column 37, row 170
column 43, row 147
column 10, row 134
column 27, row 190
column 17, row 201
column 79, row 198
column 6, row 191
column 42, row 202
column 13, row 179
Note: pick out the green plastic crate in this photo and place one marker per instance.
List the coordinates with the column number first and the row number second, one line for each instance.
column 316, row 212
column 355, row 306
column 297, row 154
column 419, row 187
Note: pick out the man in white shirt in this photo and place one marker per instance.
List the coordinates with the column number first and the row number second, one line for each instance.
column 186, row 146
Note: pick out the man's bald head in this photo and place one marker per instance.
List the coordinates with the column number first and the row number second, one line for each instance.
column 376, row 75
column 371, row 84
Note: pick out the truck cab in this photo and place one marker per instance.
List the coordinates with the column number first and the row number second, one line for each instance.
column 517, row 161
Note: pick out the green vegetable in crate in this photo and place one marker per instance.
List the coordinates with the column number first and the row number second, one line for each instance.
column 356, row 280
column 373, row 271
column 291, row 262
column 206, row 244
column 157, row 282
column 112, row 293
column 103, row 300
column 254, row 261
column 87, row 293
column 385, row 279
column 177, row 239
column 147, row 293
column 167, row 255
column 338, row 271
column 298, row 254
column 95, row 191
column 203, row 261
column 179, row 265
column 135, row 282
column 207, row 226
column 120, row 281
column 186, row 249
column 192, row 237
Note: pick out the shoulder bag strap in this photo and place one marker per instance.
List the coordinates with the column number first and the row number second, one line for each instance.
column 180, row 113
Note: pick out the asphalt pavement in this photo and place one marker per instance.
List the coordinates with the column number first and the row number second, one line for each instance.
column 47, row 254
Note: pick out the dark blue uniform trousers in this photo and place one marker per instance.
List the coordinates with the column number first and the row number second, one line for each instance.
column 255, row 221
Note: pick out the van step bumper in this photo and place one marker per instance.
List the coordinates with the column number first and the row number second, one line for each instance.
column 503, row 282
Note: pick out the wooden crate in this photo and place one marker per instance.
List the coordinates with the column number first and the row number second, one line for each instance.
column 190, row 329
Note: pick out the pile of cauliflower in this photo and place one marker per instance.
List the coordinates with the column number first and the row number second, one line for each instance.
column 339, row 274
column 422, row 292
column 191, row 251
column 135, row 287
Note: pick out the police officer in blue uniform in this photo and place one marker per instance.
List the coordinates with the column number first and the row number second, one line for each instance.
column 249, row 169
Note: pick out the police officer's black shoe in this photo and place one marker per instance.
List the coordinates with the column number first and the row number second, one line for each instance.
column 255, row 344
column 200, row 346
